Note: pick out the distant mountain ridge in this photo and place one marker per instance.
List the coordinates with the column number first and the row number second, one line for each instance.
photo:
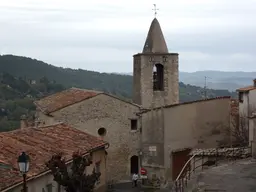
column 217, row 79
column 116, row 84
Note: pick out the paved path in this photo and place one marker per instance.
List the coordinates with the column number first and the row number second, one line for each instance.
column 238, row 176
column 127, row 187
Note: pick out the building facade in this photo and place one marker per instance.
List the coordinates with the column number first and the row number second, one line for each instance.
column 247, row 106
column 168, row 132
column 247, row 100
column 155, row 132
column 40, row 143
column 101, row 115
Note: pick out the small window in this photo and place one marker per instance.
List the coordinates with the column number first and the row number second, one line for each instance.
column 240, row 95
column 102, row 131
column 134, row 124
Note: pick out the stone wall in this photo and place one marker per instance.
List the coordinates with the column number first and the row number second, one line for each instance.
column 199, row 124
column 143, row 93
column 113, row 115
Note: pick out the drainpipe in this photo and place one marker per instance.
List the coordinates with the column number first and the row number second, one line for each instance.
column 140, row 138
column 248, row 113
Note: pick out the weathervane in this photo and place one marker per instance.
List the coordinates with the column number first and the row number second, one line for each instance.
column 155, row 10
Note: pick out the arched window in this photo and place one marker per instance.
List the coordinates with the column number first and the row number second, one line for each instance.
column 158, row 77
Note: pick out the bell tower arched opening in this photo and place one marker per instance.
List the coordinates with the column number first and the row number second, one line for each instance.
column 158, row 77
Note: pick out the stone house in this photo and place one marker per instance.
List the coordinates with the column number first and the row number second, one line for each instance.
column 102, row 115
column 153, row 131
column 40, row 143
column 169, row 131
column 247, row 101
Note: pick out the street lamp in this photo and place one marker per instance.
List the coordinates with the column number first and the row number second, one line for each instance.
column 23, row 162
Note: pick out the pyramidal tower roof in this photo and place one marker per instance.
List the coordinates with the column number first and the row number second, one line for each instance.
column 155, row 42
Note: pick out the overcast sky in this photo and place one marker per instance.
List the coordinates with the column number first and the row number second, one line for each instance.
column 102, row 35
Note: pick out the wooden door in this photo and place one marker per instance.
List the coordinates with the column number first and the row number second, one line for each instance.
column 179, row 159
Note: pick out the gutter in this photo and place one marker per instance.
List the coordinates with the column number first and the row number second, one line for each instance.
column 48, row 171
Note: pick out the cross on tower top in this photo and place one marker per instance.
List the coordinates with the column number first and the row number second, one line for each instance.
column 155, row 10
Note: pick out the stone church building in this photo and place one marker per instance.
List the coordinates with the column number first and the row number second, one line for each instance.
column 155, row 131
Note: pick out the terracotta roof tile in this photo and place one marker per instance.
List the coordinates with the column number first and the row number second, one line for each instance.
column 245, row 89
column 241, row 152
column 64, row 98
column 40, row 144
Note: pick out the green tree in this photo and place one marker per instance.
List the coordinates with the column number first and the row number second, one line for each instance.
column 77, row 180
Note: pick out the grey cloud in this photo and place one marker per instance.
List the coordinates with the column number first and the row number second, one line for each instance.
column 59, row 36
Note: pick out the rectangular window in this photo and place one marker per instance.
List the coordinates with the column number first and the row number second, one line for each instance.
column 240, row 95
column 134, row 124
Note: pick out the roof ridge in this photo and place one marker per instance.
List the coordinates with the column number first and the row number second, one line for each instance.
column 188, row 102
column 82, row 89
column 35, row 127
column 114, row 96
column 62, row 99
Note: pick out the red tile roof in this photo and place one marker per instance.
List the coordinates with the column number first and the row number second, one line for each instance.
column 63, row 99
column 245, row 89
column 69, row 97
column 40, row 144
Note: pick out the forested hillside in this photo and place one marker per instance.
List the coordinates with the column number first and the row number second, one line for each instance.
column 17, row 96
column 120, row 85
column 24, row 79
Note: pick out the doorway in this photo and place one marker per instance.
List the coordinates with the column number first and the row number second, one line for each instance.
column 179, row 159
column 134, row 164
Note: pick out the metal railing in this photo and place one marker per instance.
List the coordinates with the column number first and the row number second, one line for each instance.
column 215, row 155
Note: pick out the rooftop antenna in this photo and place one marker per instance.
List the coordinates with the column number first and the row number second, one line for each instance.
column 155, row 10
column 205, row 86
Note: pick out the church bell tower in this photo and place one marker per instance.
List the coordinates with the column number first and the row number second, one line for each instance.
column 155, row 72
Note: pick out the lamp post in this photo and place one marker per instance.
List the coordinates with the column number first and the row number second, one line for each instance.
column 23, row 162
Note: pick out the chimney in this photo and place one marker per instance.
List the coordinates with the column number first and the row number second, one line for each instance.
column 23, row 122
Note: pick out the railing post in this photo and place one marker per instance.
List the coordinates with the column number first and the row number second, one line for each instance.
column 179, row 185
column 182, row 183
column 176, row 186
column 233, row 156
column 194, row 163
column 186, row 180
column 251, row 148
column 216, row 155
column 189, row 169
column 202, row 160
